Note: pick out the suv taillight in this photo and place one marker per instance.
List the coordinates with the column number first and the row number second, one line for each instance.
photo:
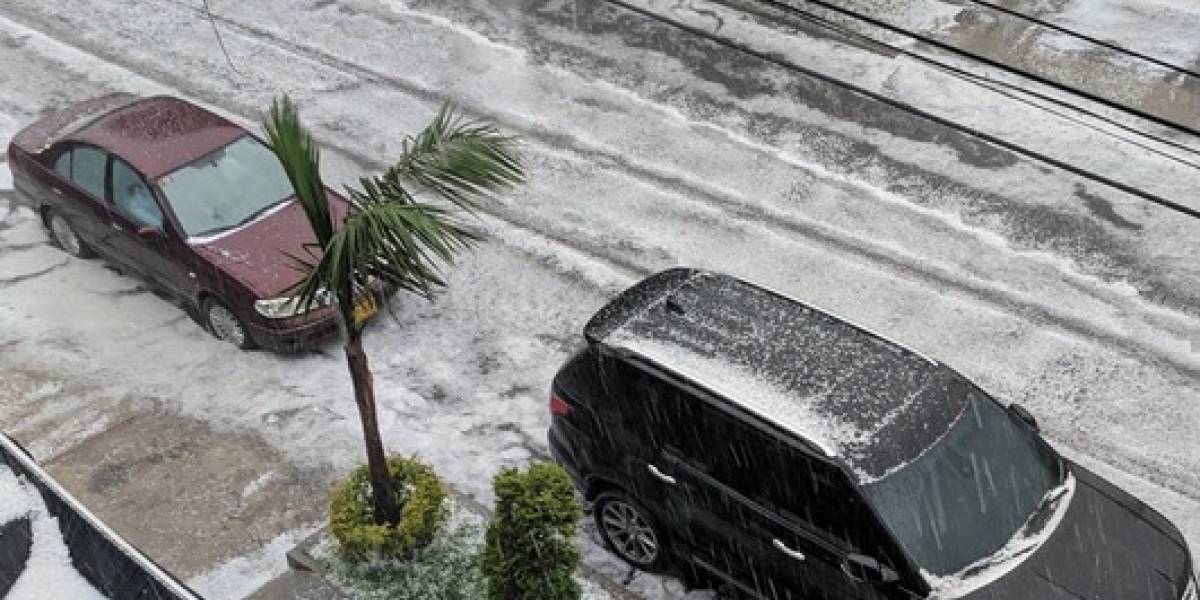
column 558, row 406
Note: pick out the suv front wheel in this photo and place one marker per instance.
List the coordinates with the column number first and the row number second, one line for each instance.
column 630, row 532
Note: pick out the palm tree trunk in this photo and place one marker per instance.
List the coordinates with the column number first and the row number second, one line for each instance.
column 383, row 491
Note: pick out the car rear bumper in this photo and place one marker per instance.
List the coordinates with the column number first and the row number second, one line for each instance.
column 564, row 457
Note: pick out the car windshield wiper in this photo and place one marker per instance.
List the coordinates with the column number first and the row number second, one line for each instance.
column 252, row 216
column 214, row 230
column 1050, row 499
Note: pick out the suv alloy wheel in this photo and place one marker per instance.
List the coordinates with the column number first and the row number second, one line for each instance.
column 630, row 532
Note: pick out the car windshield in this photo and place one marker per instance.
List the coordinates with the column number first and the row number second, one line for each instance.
column 969, row 494
column 226, row 188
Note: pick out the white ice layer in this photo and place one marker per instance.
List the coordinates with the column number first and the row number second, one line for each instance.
column 737, row 383
column 996, row 566
column 48, row 574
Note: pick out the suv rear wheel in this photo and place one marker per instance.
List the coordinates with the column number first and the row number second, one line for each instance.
column 630, row 532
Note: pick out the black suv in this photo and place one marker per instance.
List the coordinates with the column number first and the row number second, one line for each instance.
column 743, row 438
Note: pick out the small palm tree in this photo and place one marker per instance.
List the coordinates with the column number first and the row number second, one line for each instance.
column 389, row 237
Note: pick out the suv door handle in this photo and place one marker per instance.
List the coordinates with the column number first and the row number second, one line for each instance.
column 56, row 190
column 792, row 554
column 667, row 479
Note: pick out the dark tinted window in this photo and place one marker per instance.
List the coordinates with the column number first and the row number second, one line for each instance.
column 132, row 196
column 764, row 468
column 631, row 405
column 87, row 170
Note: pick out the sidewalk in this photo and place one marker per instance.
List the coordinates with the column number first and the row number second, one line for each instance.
column 297, row 585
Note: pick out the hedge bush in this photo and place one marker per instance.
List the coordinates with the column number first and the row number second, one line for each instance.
column 529, row 551
column 423, row 513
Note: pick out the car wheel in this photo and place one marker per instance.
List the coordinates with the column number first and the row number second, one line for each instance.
column 225, row 325
column 66, row 238
column 630, row 532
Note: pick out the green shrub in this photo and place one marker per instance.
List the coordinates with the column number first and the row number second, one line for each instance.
column 423, row 512
column 529, row 551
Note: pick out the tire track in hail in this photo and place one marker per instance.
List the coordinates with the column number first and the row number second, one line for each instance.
column 617, row 261
column 982, row 291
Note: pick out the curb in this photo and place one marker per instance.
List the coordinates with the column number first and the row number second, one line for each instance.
column 299, row 558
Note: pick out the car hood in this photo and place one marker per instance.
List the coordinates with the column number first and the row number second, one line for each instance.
column 257, row 254
column 1109, row 546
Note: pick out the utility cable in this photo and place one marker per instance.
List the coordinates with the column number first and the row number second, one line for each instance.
column 996, row 85
column 1168, row 123
column 1010, row 146
column 1088, row 38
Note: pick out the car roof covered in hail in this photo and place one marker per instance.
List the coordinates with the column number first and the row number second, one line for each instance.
column 856, row 396
column 158, row 134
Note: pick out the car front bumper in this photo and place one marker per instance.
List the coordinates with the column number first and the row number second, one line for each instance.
column 297, row 334
column 293, row 339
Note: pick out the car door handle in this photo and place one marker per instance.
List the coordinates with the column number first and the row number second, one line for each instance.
column 56, row 191
column 117, row 226
column 792, row 554
column 663, row 477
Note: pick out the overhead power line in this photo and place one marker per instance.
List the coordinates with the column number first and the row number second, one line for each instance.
column 970, row 131
column 1009, row 90
column 991, row 62
column 1088, row 38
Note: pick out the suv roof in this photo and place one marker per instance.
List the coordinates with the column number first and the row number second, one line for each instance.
column 859, row 397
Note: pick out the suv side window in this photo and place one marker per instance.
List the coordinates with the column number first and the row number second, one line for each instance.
column 766, row 470
column 825, row 501
column 721, row 445
column 132, row 196
column 88, row 166
column 635, row 404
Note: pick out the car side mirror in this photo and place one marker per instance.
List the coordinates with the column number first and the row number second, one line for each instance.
column 863, row 568
column 1024, row 415
column 149, row 233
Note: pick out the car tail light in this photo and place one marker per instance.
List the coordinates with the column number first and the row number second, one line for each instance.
column 558, row 406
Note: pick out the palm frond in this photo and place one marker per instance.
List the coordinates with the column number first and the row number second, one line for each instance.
column 388, row 235
column 301, row 160
column 460, row 159
column 402, row 243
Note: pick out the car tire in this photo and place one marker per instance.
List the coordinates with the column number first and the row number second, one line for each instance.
column 225, row 325
column 631, row 532
column 65, row 236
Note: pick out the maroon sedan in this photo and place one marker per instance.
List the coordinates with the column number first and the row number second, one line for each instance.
column 193, row 203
